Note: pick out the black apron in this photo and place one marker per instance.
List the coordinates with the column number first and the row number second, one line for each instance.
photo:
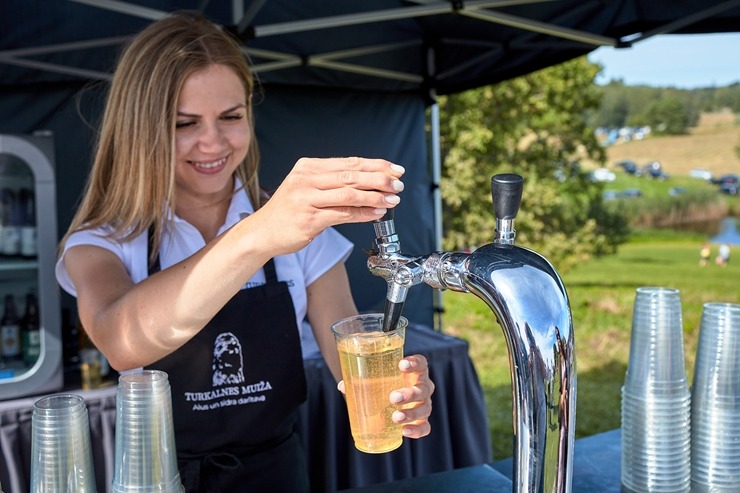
column 236, row 387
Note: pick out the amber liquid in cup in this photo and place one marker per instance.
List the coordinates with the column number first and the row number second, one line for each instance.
column 369, row 358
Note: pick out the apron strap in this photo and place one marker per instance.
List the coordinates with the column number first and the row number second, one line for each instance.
column 156, row 266
column 270, row 274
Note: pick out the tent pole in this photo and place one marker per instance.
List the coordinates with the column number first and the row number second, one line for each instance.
column 437, row 198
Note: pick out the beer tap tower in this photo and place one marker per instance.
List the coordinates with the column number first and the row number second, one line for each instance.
column 529, row 301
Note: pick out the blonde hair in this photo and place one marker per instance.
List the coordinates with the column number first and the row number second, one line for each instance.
column 132, row 182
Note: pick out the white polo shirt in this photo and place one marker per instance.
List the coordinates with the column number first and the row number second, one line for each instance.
column 299, row 269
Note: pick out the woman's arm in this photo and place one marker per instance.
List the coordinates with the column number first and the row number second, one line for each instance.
column 137, row 324
column 329, row 300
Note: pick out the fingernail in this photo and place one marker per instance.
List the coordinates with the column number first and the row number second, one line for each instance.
column 398, row 185
column 398, row 168
column 396, row 397
column 392, row 199
column 406, row 432
column 380, row 212
column 398, row 416
column 404, row 364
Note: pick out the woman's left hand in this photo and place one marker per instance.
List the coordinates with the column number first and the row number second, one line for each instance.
column 415, row 400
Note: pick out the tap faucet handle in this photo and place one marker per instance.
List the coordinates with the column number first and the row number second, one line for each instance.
column 386, row 238
column 385, row 226
column 506, row 190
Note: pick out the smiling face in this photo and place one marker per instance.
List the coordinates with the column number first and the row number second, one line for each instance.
column 211, row 137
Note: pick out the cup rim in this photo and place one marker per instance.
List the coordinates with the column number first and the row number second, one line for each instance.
column 402, row 324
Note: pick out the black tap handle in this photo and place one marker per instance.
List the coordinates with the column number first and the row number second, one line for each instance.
column 388, row 216
column 506, row 190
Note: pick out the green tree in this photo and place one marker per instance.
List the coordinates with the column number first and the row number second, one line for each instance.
column 533, row 125
column 666, row 115
column 614, row 109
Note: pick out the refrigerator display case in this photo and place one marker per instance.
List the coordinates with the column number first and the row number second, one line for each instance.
column 30, row 343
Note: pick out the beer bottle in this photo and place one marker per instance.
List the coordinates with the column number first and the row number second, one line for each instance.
column 71, row 342
column 31, row 328
column 10, row 330
column 28, row 223
column 10, row 242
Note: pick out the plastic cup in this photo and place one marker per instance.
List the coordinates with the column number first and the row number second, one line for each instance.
column 656, row 360
column 715, row 415
column 145, row 455
column 61, row 456
column 369, row 358
column 656, row 402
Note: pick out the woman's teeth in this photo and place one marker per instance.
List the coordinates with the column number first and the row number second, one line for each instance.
column 212, row 164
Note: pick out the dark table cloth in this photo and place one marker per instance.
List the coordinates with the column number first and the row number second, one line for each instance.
column 459, row 438
column 474, row 479
column 596, row 469
column 597, row 464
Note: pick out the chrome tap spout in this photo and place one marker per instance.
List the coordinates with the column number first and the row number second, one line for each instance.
column 530, row 303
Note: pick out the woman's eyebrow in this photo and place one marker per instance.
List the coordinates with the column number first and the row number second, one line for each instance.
column 229, row 110
column 234, row 108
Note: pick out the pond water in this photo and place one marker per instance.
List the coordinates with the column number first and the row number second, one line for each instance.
column 728, row 232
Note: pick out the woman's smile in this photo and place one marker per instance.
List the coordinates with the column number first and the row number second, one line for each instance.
column 210, row 167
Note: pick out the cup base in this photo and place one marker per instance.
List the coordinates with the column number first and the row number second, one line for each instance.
column 378, row 449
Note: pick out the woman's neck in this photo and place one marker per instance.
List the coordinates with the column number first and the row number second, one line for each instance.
column 207, row 215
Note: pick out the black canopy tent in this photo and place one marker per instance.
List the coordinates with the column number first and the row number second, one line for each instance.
column 337, row 78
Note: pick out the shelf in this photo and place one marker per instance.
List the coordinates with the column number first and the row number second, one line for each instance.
column 18, row 264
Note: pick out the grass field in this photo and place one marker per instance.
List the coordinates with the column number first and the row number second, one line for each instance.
column 601, row 295
column 602, row 291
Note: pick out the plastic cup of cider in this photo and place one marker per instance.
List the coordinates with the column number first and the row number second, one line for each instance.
column 369, row 358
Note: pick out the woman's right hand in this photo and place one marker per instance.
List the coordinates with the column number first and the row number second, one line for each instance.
column 319, row 193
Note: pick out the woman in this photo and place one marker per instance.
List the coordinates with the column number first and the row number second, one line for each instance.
column 179, row 262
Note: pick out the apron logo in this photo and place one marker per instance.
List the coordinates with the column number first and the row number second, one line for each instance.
column 227, row 360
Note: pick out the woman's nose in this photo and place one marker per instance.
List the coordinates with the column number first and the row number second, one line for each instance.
column 211, row 136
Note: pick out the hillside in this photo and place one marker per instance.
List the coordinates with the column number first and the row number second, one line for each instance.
column 710, row 145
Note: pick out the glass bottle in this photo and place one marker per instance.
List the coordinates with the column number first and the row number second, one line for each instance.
column 10, row 242
column 27, row 204
column 31, row 329
column 10, row 330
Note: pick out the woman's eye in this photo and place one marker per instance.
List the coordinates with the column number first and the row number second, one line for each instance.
column 233, row 117
column 183, row 124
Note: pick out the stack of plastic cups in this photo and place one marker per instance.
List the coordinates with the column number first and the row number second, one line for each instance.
column 61, row 456
column 145, row 457
column 715, row 412
column 656, row 403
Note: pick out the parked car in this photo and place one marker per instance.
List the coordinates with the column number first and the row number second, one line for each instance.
column 617, row 194
column 603, row 175
column 729, row 178
column 654, row 169
column 729, row 188
column 629, row 167
column 701, row 174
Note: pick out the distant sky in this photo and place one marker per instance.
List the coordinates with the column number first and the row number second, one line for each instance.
column 684, row 61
